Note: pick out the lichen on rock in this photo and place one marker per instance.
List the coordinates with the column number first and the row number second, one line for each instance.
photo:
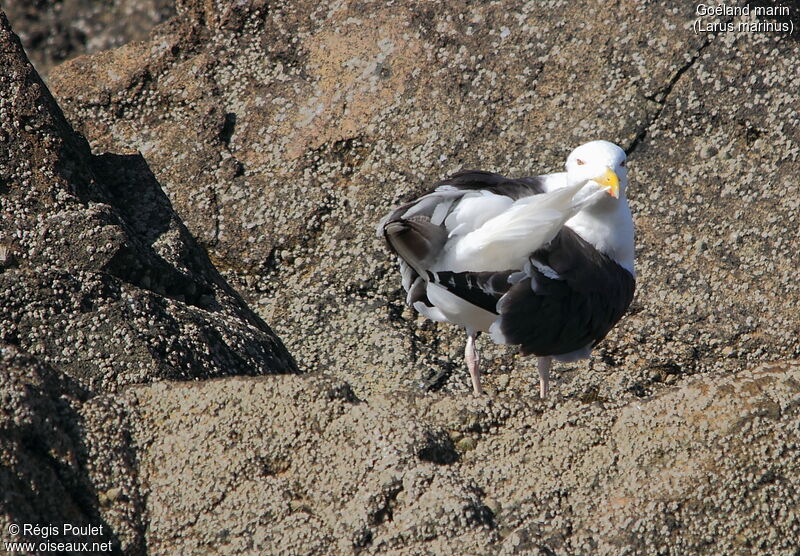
column 241, row 156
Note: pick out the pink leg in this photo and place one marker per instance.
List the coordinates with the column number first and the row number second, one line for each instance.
column 471, row 356
column 544, row 375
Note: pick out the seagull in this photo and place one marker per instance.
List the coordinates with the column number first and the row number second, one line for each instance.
column 544, row 262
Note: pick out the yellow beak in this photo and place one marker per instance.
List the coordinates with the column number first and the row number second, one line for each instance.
column 610, row 180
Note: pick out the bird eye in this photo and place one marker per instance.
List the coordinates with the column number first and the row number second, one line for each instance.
column 581, row 162
column 622, row 163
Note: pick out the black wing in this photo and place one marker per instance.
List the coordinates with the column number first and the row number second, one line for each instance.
column 569, row 297
column 473, row 180
column 575, row 295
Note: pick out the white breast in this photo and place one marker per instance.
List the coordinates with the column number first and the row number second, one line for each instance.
column 610, row 232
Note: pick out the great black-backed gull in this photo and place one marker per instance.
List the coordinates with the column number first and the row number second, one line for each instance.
column 543, row 262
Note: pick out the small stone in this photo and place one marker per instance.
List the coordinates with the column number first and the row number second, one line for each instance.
column 6, row 256
column 466, row 444
column 708, row 151
column 113, row 494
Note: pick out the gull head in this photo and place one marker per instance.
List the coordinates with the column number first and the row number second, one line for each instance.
column 601, row 164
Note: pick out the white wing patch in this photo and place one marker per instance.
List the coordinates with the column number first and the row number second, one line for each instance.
column 473, row 210
column 504, row 241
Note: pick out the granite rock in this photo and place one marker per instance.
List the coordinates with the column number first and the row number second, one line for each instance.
column 297, row 465
column 281, row 134
column 101, row 278
column 56, row 30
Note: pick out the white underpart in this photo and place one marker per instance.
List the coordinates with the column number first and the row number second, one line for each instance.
column 610, row 230
column 458, row 311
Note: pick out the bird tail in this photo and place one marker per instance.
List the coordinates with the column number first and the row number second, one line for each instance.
column 416, row 240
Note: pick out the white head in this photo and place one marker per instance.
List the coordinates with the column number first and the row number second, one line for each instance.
column 600, row 162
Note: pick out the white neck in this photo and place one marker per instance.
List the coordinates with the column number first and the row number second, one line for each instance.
column 608, row 226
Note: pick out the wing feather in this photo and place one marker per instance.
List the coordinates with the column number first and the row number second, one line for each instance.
column 505, row 240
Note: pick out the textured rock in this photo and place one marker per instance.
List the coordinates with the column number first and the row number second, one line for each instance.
column 238, row 465
column 282, row 134
column 101, row 278
column 296, row 465
column 101, row 286
column 42, row 476
column 55, row 30
column 694, row 470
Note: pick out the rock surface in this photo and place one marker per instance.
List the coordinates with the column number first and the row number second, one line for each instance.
column 43, row 478
column 100, row 278
column 56, row 30
column 280, row 135
column 296, row 465
column 102, row 286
